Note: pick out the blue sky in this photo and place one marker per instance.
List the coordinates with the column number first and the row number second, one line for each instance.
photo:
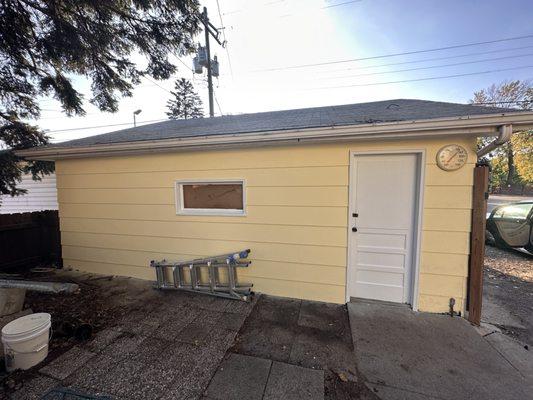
column 270, row 34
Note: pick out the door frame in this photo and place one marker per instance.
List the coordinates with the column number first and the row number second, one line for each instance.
column 417, row 234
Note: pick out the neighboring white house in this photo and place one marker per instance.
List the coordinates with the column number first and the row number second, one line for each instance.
column 41, row 195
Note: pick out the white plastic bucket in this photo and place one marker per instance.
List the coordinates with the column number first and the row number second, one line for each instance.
column 26, row 341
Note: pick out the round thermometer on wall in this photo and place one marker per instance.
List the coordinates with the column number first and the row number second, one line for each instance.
column 451, row 157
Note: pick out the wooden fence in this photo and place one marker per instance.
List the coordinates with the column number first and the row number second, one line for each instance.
column 28, row 239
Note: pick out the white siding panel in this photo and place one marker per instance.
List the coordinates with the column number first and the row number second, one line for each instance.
column 41, row 195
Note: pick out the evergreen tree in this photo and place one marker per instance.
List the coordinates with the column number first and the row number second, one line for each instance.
column 45, row 43
column 185, row 102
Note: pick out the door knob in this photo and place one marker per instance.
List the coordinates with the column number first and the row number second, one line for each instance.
column 354, row 229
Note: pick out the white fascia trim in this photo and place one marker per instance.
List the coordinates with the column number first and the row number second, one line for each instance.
column 481, row 125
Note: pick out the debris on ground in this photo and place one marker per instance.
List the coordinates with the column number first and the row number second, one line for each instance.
column 100, row 302
column 44, row 287
column 343, row 377
column 146, row 343
column 508, row 292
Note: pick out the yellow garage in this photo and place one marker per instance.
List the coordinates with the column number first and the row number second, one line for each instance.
column 370, row 200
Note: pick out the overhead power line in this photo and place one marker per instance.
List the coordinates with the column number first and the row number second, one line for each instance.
column 395, row 54
column 157, row 84
column 218, row 105
column 340, row 4
column 223, row 29
column 421, row 79
column 480, row 53
column 501, row 102
column 431, row 67
column 161, row 120
column 185, row 65
column 273, row 3
column 105, row 126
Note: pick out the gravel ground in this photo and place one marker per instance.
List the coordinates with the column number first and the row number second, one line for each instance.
column 508, row 292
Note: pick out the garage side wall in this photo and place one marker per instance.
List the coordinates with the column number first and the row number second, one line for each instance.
column 118, row 213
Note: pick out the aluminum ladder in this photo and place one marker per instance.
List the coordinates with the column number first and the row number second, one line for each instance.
column 188, row 275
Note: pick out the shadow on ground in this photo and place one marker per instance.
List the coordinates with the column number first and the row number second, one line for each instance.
column 508, row 293
column 162, row 345
column 307, row 334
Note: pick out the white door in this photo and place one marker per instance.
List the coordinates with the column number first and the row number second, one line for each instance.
column 384, row 196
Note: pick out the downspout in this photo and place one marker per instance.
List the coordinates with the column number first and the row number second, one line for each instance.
column 503, row 137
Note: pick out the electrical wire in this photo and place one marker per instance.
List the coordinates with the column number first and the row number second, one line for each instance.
column 157, row 84
column 216, row 101
column 273, row 3
column 104, row 126
column 421, row 79
column 431, row 66
column 224, row 36
column 480, row 53
column 394, row 54
column 185, row 65
column 502, row 102
column 161, row 120
column 341, row 4
column 420, row 61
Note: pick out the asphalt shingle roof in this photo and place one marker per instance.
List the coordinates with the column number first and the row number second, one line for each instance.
column 350, row 114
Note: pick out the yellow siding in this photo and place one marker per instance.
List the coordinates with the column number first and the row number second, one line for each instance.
column 443, row 264
column 279, row 215
column 118, row 213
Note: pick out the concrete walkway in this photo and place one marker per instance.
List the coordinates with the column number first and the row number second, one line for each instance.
column 408, row 355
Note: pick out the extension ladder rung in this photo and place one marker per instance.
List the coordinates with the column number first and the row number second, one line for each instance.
column 204, row 275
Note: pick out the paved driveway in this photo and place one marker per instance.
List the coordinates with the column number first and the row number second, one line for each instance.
column 408, row 355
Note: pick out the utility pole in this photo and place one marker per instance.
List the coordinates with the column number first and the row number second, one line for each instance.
column 209, row 77
column 210, row 30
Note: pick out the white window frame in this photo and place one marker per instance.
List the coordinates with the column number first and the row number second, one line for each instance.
column 181, row 210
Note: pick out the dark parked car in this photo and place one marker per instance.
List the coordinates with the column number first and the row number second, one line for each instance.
column 510, row 225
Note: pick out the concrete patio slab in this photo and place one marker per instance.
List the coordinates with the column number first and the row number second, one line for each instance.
column 307, row 334
column 497, row 314
column 290, row 382
column 67, row 363
column 175, row 322
column 326, row 317
column 102, row 339
column 431, row 355
column 240, row 378
column 514, row 352
column 386, row 392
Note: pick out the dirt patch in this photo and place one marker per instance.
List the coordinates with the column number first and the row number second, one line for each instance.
column 513, row 263
column 508, row 287
column 101, row 302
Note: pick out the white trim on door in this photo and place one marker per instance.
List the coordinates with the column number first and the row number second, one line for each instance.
column 421, row 172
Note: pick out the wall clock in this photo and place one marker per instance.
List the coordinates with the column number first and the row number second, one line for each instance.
column 451, row 157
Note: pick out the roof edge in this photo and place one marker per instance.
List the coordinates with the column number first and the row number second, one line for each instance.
column 477, row 125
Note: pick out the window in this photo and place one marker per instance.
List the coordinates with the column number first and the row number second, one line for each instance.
column 513, row 211
column 210, row 197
